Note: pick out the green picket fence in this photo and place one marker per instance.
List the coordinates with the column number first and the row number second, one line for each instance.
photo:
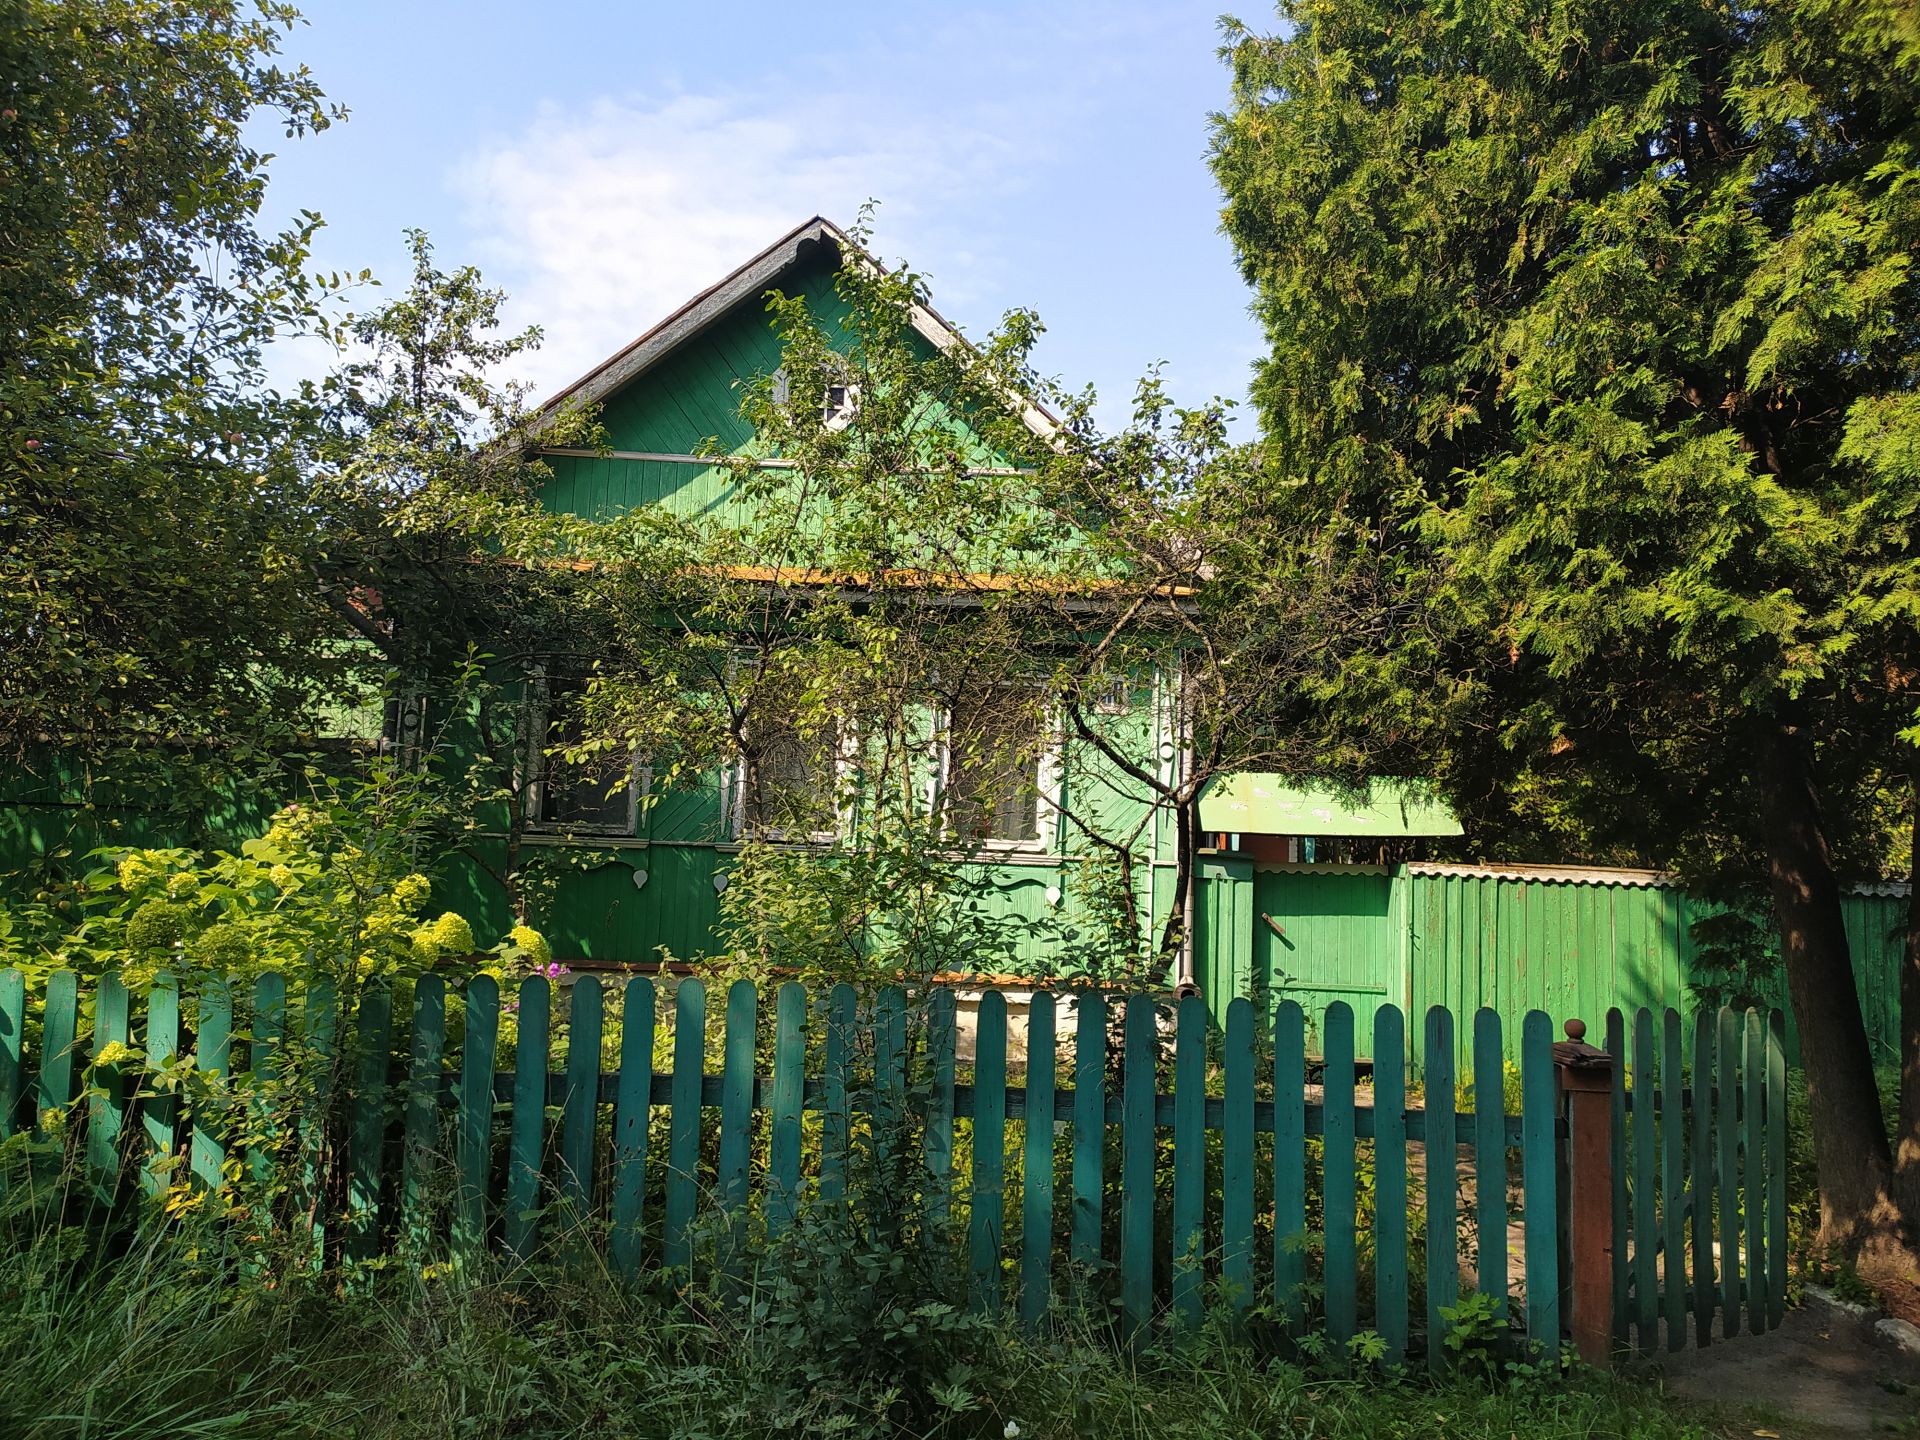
column 1699, row 1175
column 1165, row 1168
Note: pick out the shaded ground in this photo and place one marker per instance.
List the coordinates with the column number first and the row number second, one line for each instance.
column 1819, row 1375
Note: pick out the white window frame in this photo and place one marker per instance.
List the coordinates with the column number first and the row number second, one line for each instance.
column 1049, row 786
column 639, row 777
column 846, row 761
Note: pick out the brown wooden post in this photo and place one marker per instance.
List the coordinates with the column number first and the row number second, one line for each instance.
column 1586, row 1080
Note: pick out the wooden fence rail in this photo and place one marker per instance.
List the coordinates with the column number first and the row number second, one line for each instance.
column 1180, row 1170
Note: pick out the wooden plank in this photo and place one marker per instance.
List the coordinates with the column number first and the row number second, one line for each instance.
column 1089, row 1126
column 889, row 1088
column 1622, row 1275
column 1673, row 1180
column 526, row 1139
column 474, row 1136
column 1727, row 1133
column 1443, row 1181
column 426, row 1054
column 789, row 1091
column 1390, row 1181
column 1490, row 1157
column 580, row 1106
column 59, row 1025
column 942, row 1047
column 1136, row 1167
column 366, row 1143
column 1700, row 1190
column 835, row 1136
column 320, row 1024
column 1290, row 1164
column 1776, row 1168
column 213, row 1058
column 1236, row 1156
column 632, row 1110
column 157, row 1109
column 1189, row 1159
column 736, row 1094
column 13, row 1025
column 1339, row 1195
column 1036, row 1165
column 107, row 1114
column 1753, row 1175
column 266, row 1060
column 683, row 1141
column 1645, row 1187
column 1539, row 1171
column 988, row 1207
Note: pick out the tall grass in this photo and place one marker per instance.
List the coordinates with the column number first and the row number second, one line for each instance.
column 168, row 1338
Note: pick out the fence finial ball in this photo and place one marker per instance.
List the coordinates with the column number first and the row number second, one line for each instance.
column 1576, row 1029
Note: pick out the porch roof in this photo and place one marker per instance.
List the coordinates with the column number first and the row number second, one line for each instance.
column 1252, row 803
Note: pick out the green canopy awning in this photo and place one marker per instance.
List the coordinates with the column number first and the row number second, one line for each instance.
column 1256, row 804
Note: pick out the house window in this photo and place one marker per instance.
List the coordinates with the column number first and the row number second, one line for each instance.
column 597, row 794
column 997, row 767
column 839, row 405
column 788, row 783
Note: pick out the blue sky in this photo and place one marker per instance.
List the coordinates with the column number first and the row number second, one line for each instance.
column 603, row 162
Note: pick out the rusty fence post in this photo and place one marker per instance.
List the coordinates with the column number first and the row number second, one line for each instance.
column 1586, row 1080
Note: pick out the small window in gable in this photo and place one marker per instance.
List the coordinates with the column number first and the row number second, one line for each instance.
column 839, row 406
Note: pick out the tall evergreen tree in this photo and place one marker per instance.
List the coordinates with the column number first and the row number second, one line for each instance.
column 1596, row 324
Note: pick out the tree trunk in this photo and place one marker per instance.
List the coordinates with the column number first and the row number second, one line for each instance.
column 1857, row 1210
column 1906, row 1174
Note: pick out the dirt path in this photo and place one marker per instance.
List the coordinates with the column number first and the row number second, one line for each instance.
column 1820, row 1375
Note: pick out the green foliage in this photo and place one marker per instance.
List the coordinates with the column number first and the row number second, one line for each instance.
column 548, row 1356
column 1595, row 333
column 333, row 891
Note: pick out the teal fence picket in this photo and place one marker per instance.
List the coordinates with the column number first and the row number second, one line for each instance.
column 1645, row 1185
column 1236, row 1156
column 367, row 1141
column 157, row 1108
column 1727, row 1131
column 1776, row 1168
column 789, row 1092
column 1189, row 1157
column 1089, row 1125
column 59, row 1026
column 988, row 1201
column 1290, row 1164
column 1136, row 1165
column 527, row 1137
column 13, row 1023
column 580, row 1104
column 1701, row 1191
column 1036, row 1165
column 1390, row 1182
column 632, row 1109
column 1490, row 1158
column 1538, row 1167
column 473, row 1143
column 736, row 1094
column 213, row 1055
column 419, row 1156
column 683, row 1144
column 942, row 1048
column 1753, row 1180
column 107, row 1115
column 1442, row 1157
column 1339, row 1195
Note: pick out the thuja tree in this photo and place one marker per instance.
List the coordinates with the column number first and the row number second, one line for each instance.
column 1599, row 324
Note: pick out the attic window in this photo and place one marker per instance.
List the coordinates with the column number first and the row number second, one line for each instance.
column 839, row 405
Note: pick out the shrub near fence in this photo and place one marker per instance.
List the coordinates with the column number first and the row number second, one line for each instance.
column 1238, row 1187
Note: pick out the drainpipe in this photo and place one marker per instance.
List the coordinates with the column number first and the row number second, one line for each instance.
column 1187, row 833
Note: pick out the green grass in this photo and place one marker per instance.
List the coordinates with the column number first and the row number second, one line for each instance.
column 164, row 1343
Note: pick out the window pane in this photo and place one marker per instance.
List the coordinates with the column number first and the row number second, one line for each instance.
column 993, row 759
column 790, row 779
column 596, row 792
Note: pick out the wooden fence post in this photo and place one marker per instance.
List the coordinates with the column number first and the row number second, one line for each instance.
column 1586, row 1080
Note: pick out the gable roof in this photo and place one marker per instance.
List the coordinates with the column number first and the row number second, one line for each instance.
column 749, row 282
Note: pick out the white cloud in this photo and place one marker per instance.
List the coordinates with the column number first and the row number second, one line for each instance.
column 600, row 220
